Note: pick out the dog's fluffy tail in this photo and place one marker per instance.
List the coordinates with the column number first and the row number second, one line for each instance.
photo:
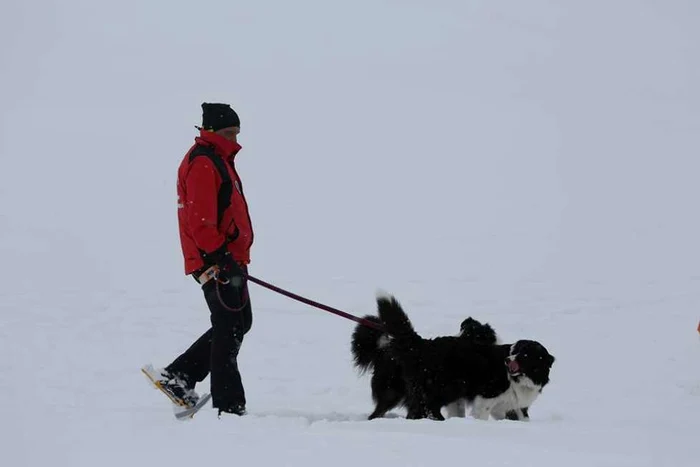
column 396, row 322
column 366, row 344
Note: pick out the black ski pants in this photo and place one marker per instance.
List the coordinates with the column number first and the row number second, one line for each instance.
column 216, row 351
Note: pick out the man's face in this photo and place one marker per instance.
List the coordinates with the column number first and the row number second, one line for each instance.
column 230, row 133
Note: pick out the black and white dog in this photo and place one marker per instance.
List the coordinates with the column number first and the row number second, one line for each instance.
column 469, row 370
column 372, row 350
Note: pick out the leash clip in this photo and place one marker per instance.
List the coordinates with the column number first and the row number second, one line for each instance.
column 210, row 273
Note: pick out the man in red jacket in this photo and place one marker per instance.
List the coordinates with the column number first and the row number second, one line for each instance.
column 216, row 236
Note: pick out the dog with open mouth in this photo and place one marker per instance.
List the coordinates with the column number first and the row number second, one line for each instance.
column 469, row 370
column 372, row 351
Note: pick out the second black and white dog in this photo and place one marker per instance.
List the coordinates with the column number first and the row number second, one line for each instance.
column 469, row 370
column 372, row 350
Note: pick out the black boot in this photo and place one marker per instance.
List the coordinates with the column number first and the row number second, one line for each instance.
column 238, row 409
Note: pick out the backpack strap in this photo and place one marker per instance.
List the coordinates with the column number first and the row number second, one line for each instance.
column 224, row 197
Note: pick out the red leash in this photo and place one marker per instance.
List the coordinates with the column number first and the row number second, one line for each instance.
column 221, row 299
column 307, row 301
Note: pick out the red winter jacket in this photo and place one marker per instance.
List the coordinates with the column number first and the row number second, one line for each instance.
column 198, row 183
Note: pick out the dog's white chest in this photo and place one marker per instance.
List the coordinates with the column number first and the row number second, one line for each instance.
column 524, row 392
column 519, row 395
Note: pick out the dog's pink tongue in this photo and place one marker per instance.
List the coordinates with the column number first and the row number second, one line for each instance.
column 513, row 366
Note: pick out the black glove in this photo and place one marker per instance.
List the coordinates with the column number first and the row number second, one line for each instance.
column 229, row 270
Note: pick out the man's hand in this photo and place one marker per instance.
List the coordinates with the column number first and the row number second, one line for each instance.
column 229, row 270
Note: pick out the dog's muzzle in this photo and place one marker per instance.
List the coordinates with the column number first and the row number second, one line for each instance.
column 513, row 365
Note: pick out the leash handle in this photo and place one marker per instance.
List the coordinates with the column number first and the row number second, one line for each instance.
column 219, row 283
column 313, row 303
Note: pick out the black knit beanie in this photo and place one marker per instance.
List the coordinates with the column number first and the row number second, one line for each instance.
column 218, row 116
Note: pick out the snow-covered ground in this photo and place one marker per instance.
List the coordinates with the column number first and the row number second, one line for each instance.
column 531, row 164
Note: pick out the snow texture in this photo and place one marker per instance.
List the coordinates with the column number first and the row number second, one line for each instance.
column 531, row 164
